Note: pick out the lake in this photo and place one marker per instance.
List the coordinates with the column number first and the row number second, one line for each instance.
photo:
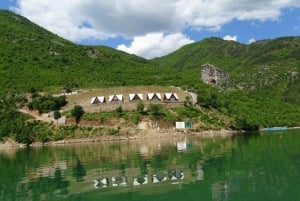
column 254, row 166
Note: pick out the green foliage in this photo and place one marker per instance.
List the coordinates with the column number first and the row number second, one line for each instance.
column 135, row 117
column 77, row 112
column 33, row 132
column 251, row 111
column 12, row 122
column 56, row 114
column 187, row 112
column 140, row 107
column 112, row 131
column 155, row 111
column 47, row 103
column 33, row 58
column 119, row 110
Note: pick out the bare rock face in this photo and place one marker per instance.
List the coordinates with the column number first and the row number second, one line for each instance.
column 215, row 76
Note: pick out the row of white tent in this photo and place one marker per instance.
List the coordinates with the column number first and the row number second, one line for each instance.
column 174, row 175
column 169, row 97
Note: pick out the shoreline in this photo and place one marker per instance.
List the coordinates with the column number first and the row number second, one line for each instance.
column 146, row 134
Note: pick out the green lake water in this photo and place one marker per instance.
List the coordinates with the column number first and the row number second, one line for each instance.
column 259, row 166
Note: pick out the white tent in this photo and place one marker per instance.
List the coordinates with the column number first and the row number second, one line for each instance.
column 98, row 99
column 170, row 97
column 115, row 98
column 135, row 97
column 154, row 96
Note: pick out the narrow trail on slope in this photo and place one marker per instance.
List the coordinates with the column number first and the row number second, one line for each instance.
column 37, row 116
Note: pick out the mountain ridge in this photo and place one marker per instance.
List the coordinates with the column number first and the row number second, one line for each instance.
column 40, row 59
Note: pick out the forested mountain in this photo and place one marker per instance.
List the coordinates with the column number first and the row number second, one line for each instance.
column 264, row 75
column 31, row 57
column 268, row 66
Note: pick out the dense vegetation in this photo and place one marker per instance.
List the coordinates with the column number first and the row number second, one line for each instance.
column 265, row 76
column 33, row 58
column 45, row 104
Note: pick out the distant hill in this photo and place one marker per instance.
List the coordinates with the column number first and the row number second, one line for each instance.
column 32, row 58
column 269, row 66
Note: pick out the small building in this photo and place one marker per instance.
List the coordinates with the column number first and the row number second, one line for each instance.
column 116, row 98
column 135, row 97
column 98, row 100
column 154, row 97
column 183, row 125
column 170, row 97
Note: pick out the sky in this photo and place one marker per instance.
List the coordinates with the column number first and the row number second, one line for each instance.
column 158, row 27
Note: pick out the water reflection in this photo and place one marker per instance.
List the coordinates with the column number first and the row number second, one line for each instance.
column 220, row 168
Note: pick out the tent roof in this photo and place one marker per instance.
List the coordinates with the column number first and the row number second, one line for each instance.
column 131, row 96
column 169, row 95
column 119, row 97
column 151, row 95
column 100, row 98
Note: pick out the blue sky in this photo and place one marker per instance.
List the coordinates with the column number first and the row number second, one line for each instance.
column 156, row 28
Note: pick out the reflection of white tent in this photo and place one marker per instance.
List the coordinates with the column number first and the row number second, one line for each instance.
column 98, row 99
column 115, row 98
column 172, row 97
column 135, row 97
column 140, row 180
column 119, row 181
column 177, row 174
column 101, row 183
column 159, row 177
column 154, row 96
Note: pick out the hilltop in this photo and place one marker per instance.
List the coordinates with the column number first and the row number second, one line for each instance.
column 32, row 58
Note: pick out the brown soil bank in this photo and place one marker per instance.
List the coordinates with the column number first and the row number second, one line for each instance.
column 142, row 134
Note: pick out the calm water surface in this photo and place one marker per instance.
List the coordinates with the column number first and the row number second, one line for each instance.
column 259, row 166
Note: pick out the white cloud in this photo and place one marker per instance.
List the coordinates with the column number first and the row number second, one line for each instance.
column 230, row 38
column 155, row 44
column 132, row 18
column 138, row 17
column 251, row 40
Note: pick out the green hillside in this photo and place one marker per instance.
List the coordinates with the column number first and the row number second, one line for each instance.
column 265, row 76
column 31, row 57
column 269, row 66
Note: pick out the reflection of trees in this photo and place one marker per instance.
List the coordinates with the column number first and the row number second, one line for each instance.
column 14, row 167
column 46, row 187
column 159, row 161
column 79, row 171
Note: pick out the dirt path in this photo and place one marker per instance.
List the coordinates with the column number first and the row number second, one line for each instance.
column 37, row 116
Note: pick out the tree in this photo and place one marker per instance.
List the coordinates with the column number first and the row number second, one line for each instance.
column 27, row 135
column 119, row 110
column 77, row 112
column 79, row 171
column 155, row 110
column 140, row 107
column 56, row 115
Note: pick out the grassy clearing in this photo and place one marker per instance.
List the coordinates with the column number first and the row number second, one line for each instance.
column 84, row 97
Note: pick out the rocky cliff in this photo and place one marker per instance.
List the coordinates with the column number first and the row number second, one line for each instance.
column 215, row 76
